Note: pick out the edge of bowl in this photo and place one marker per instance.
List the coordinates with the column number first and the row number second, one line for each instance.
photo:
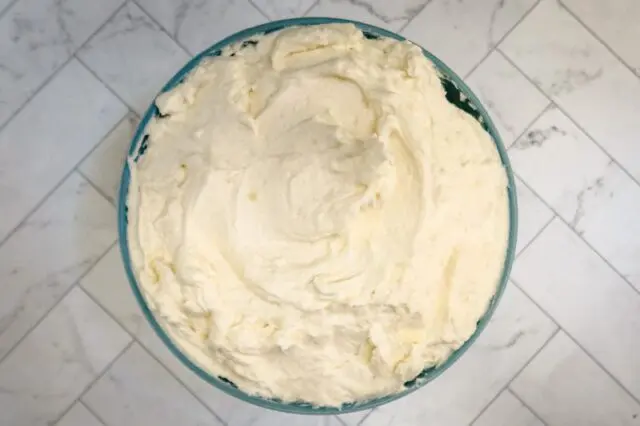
column 426, row 375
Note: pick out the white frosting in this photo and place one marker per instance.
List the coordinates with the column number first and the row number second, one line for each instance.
column 313, row 220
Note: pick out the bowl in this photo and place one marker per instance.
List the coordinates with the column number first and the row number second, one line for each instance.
column 457, row 93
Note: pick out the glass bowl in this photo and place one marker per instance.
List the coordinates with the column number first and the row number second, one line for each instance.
column 457, row 93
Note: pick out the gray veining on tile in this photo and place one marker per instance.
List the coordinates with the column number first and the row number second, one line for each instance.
column 615, row 22
column 133, row 56
column 197, row 24
column 57, row 361
column 517, row 330
column 392, row 15
column 49, row 137
column 137, row 390
column 281, row 9
column 578, row 231
column 584, row 186
column 582, row 77
column 511, row 100
column 567, row 388
column 586, row 298
column 462, row 32
column 37, row 37
column 49, row 252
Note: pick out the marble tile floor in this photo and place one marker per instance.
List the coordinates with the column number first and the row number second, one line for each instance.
column 561, row 78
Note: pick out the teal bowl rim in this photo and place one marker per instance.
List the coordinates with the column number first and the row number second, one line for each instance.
column 426, row 375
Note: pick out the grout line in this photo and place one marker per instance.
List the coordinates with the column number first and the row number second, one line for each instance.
column 95, row 187
column 406, row 24
column 172, row 374
column 149, row 352
column 38, row 89
column 597, row 37
column 538, row 350
column 98, row 377
column 566, row 113
column 7, row 7
column 361, row 422
column 535, row 237
column 57, row 302
column 501, row 39
column 526, row 364
column 562, row 110
column 259, row 10
column 604, row 259
column 47, row 80
column 315, row 3
column 580, row 346
column 546, row 109
column 89, row 409
column 516, row 396
column 337, row 417
column 164, row 30
column 62, row 180
column 106, row 86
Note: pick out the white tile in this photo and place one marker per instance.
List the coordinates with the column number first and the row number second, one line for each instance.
column 264, row 417
column 280, row 9
column 136, row 390
column 103, row 167
column 49, row 252
column 49, row 137
column 5, row 4
column 507, row 410
column 515, row 333
column 37, row 37
column 57, row 361
column 581, row 76
column 78, row 415
column 354, row 419
column 390, row 15
column 462, row 32
column 584, row 186
column 133, row 56
column 609, row 221
column 533, row 215
column 615, row 22
column 198, row 24
column 585, row 297
column 511, row 100
column 107, row 283
column 571, row 162
column 565, row 387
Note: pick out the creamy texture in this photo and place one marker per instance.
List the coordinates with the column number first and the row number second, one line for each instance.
column 312, row 219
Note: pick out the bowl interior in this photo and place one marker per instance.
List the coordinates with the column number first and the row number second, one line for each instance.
column 457, row 93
